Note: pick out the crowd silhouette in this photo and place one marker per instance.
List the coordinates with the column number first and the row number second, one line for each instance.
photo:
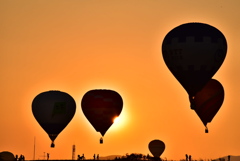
column 188, row 157
column 81, row 157
column 21, row 158
column 127, row 157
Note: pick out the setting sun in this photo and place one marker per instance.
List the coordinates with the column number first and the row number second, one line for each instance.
column 116, row 120
column 119, row 122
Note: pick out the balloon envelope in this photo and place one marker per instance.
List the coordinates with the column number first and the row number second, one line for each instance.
column 156, row 147
column 53, row 110
column 6, row 156
column 208, row 101
column 194, row 52
column 101, row 106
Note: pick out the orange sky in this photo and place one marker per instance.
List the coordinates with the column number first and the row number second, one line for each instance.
column 79, row 45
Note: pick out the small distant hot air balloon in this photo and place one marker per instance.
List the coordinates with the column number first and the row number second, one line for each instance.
column 156, row 147
column 193, row 52
column 6, row 156
column 53, row 110
column 208, row 101
column 101, row 106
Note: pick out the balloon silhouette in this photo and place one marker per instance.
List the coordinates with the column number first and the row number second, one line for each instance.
column 208, row 101
column 53, row 110
column 156, row 147
column 6, row 156
column 193, row 52
column 101, row 106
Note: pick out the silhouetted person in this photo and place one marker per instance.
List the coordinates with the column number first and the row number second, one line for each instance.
column 190, row 158
column 47, row 156
column 81, row 157
column 21, row 158
column 94, row 157
column 229, row 158
column 144, row 157
column 16, row 158
column 148, row 157
column 186, row 157
column 98, row 157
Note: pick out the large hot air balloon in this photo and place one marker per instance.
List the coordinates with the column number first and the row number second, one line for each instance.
column 53, row 110
column 156, row 147
column 194, row 52
column 101, row 106
column 208, row 101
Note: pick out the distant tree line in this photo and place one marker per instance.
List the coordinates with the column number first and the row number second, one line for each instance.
column 137, row 156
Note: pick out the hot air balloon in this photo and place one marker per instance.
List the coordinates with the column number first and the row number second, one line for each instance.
column 53, row 110
column 208, row 101
column 156, row 147
column 6, row 156
column 101, row 106
column 193, row 52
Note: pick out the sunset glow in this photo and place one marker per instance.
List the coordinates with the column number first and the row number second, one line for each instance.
column 116, row 120
column 77, row 46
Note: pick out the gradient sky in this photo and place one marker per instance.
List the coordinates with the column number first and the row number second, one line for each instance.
column 78, row 45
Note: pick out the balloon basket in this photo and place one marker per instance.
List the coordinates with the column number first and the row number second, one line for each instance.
column 52, row 145
column 101, row 140
column 206, row 130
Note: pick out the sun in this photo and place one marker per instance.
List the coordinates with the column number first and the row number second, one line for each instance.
column 119, row 122
column 116, row 120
